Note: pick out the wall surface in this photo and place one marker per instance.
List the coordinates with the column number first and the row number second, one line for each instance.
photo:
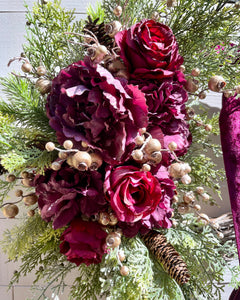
column 12, row 31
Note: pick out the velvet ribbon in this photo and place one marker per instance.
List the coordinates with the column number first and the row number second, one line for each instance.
column 229, row 122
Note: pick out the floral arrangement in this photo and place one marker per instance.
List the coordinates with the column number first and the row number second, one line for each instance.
column 121, row 131
column 116, row 160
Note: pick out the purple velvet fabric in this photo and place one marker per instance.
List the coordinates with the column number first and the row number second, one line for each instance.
column 229, row 122
column 235, row 295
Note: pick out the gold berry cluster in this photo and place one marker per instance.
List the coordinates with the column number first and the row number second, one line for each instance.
column 10, row 209
column 37, row 75
column 80, row 160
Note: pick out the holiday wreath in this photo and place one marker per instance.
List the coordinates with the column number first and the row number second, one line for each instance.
column 98, row 131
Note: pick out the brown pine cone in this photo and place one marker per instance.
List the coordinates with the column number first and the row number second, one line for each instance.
column 99, row 31
column 165, row 253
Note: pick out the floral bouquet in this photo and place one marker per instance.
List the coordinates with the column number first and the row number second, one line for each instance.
column 120, row 134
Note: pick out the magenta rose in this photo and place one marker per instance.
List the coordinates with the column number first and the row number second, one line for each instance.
column 66, row 193
column 133, row 194
column 149, row 50
column 160, row 217
column 88, row 104
column 83, row 242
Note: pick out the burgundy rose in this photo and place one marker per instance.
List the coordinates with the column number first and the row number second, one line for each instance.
column 66, row 193
column 133, row 194
column 149, row 50
column 160, row 217
column 83, row 242
column 88, row 104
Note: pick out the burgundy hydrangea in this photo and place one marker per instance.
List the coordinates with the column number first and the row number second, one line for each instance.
column 88, row 104
column 83, row 242
column 66, row 193
column 160, row 217
column 149, row 50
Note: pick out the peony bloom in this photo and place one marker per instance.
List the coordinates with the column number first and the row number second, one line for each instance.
column 133, row 194
column 167, row 111
column 165, row 101
column 66, row 193
column 88, row 104
column 149, row 50
column 160, row 217
column 83, row 242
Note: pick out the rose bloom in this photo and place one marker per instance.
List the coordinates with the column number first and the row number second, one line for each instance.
column 133, row 194
column 160, row 217
column 88, row 104
column 83, row 242
column 149, row 50
column 66, row 193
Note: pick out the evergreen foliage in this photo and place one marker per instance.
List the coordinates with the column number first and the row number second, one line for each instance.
column 20, row 238
column 200, row 26
column 133, row 10
column 47, row 43
column 24, row 104
column 200, row 155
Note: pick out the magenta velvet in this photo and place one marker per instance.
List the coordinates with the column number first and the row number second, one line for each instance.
column 235, row 295
column 229, row 122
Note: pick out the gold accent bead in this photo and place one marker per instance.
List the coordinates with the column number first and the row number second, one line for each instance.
column 172, row 146
column 124, row 271
column 30, row 200
column 68, row 144
column 216, row 83
column 11, row 178
column 10, row 211
column 55, row 166
column 50, row 146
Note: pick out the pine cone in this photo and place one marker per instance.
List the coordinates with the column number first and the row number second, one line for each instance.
column 100, row 32
column 165, row 253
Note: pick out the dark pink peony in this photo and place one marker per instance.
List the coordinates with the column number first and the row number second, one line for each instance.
column 167, row 111
column 165, row 101
column 66, row 193
column 88, row 104
column 133, row 194
column 160, row 217
column 83, row 242
column 149, row 50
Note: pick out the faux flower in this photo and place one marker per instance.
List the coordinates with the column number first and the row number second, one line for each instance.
column 167, row 111
column 66, row 193
column 165, row 101
column 133, row 194
column 160, row 217
column 149, row 50
column 88, row 104
column 83, row 242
